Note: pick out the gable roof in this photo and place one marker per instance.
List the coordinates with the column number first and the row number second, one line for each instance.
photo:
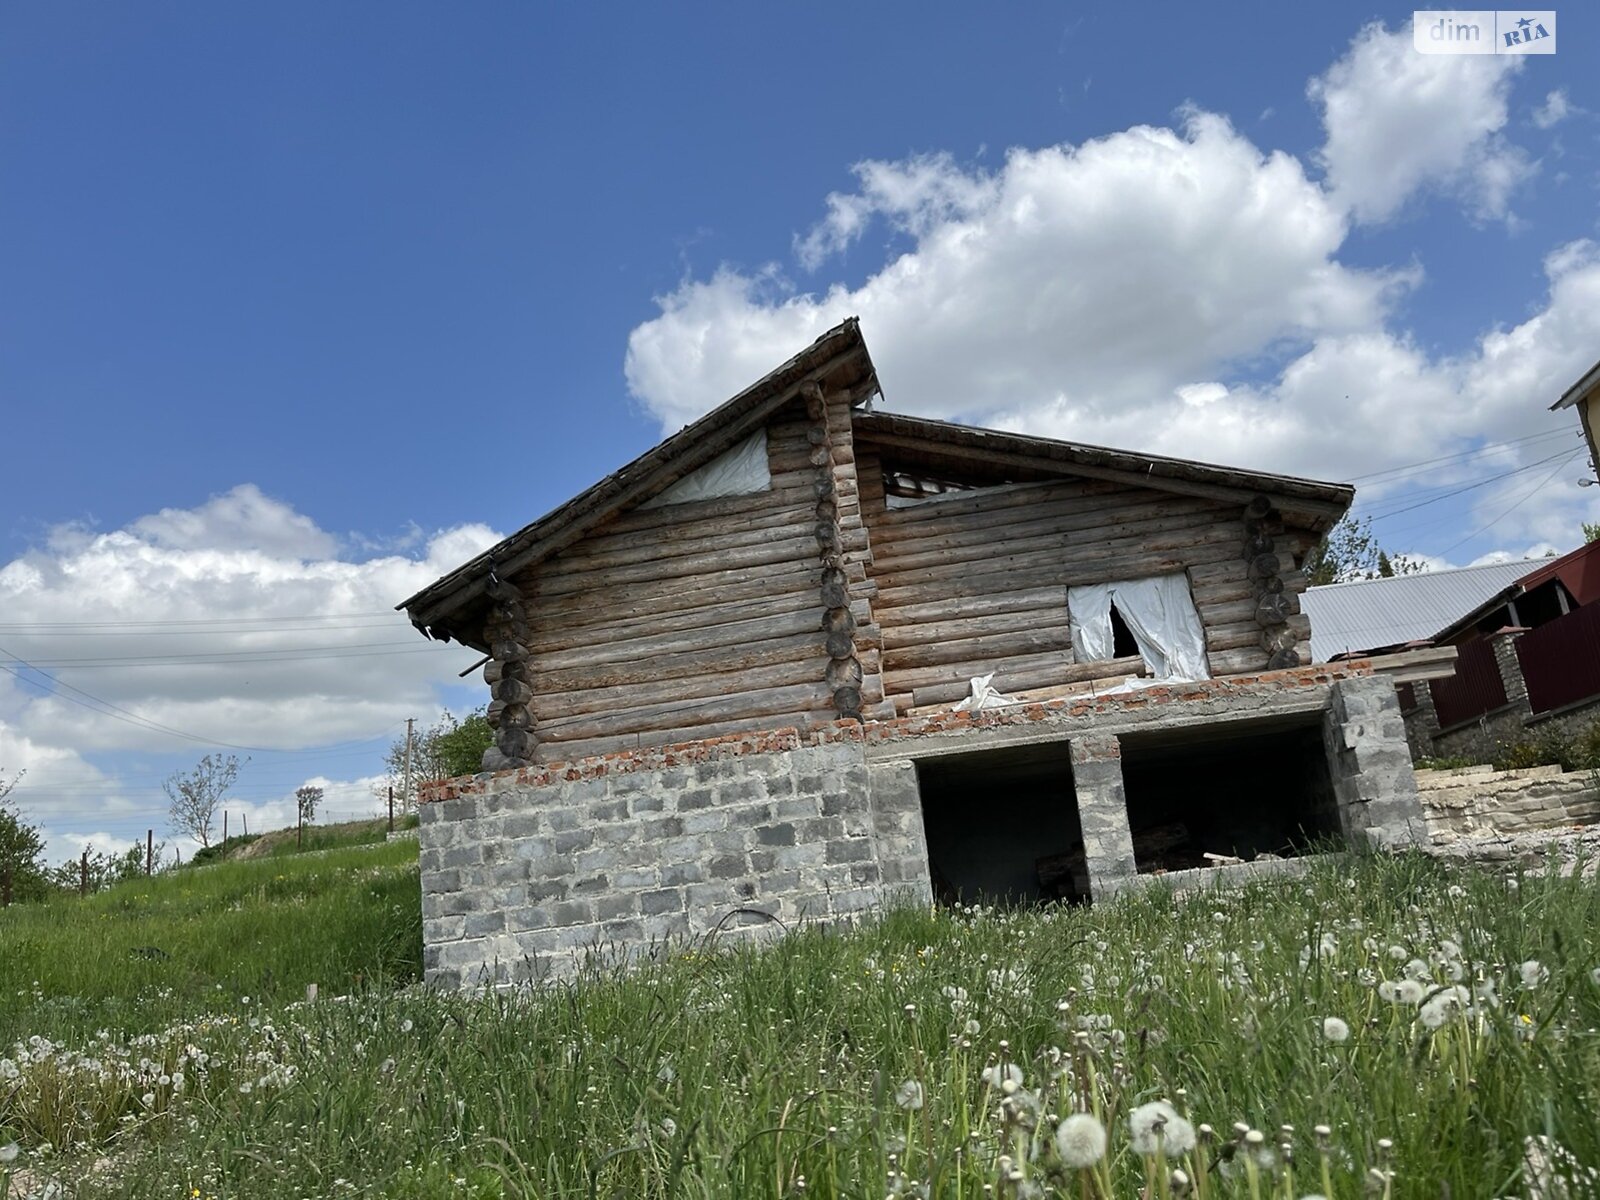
column 1370, row 614
column 1586, row 384
column 1316, row 504
column 838, row 360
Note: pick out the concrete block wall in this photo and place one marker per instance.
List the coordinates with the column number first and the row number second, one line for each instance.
column 525, row 872
column 1369, row 760
column 522, row 879
column 1474, row 801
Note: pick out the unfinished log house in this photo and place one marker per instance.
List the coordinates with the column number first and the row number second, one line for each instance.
column 797, row 575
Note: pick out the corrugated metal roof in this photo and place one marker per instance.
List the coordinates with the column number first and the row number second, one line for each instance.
column 1370, row 613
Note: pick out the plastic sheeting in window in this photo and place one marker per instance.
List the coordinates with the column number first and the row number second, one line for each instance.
column 735, row 472
column 1160, row 613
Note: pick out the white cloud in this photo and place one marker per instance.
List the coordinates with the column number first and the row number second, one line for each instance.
column 1184, row 292
column 1555, row 109
column 1399, row 122
column 235, row 622
column 1101, row 276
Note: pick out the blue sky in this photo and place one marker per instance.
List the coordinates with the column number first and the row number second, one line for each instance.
column 304, row 304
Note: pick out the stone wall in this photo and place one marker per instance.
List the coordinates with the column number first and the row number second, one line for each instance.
column 1475, row 801
column 521, row 879
column 1488, row 735
column 524, row 872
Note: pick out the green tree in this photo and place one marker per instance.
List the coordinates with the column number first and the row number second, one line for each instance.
column 306, row 800
column 450, row 747
column 1350, row 551
column 22, row 869
column 1591, row 531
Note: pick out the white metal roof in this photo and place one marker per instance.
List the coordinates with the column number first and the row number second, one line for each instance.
column 1369, row 613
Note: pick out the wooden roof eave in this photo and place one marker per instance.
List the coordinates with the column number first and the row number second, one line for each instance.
column 446, row 608
column 1318, row 503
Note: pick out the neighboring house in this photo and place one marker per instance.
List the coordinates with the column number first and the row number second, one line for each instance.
column 1367, row 616
column 1526, row 633
column 1585, row 397
column 727, row 677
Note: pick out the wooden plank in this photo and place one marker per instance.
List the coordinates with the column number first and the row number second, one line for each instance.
column 664, row 596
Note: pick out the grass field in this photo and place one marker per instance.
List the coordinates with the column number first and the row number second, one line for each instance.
column 923, row 1054
column 146, row 954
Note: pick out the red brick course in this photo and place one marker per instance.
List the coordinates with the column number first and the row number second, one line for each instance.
column 768, row 741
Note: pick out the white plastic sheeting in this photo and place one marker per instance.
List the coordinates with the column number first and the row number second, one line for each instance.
column 1159, row 612
column 984, row 696
column 735, row 472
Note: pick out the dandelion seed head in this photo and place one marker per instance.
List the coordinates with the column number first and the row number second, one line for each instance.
column 1158, row 1129
column 1081, row 1140
column 1533, row 973
column 909, row 1095
column 1335, row 1030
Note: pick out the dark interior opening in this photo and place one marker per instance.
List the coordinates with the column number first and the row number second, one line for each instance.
column 1002, row 826
column 1123, row 644
column 1242, row 790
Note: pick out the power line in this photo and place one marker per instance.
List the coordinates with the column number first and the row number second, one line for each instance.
column 200, row 620
column 1410, row 468
column 1456, row 491
column 1525, row 497
column 114, row 711
column 200, row 657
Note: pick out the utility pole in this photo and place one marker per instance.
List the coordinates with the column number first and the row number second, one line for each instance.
column 405, row 794
column 224, row 825
column 149, row 852
column 83, row 874
column 391, row 808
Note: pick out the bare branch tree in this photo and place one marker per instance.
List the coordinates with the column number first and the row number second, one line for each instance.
column 196, row 794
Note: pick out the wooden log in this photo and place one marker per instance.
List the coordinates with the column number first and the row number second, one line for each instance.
column 963, row 607
column 691, row 537
column 788, row 549
column 572, row 749
column 1009, row 495
column 1275, row 608
column 1283, row 660
column 843, row 672
column 903, row 636
column 563, row 632
column 1029, row 640
column 793, row 670
column 847, row 701
column 678, row 714
column 1248, row 660
column 840, row 644
column 729, row 633
column 1258, row 507
column 981, row 528
column 684, row 667
column 660, row 599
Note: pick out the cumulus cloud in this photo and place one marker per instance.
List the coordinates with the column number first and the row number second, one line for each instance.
column 1398, row 123
column 1183, row 291
column 236, row 623
column 1103, row 274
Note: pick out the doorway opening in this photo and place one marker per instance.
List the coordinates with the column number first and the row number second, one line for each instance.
column 1243, row 790
column 1002, row 826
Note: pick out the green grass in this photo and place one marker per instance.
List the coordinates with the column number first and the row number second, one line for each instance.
column 147, row 953
column 738, row 1071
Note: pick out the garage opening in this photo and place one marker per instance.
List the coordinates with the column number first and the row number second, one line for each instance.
column 1002, row 827
column 1239, row 791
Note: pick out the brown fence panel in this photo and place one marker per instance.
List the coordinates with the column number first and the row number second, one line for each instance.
column 1561, row 660
column 1475, row 688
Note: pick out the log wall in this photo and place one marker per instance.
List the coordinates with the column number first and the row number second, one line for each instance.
column 700, row 619
column 977, row 582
